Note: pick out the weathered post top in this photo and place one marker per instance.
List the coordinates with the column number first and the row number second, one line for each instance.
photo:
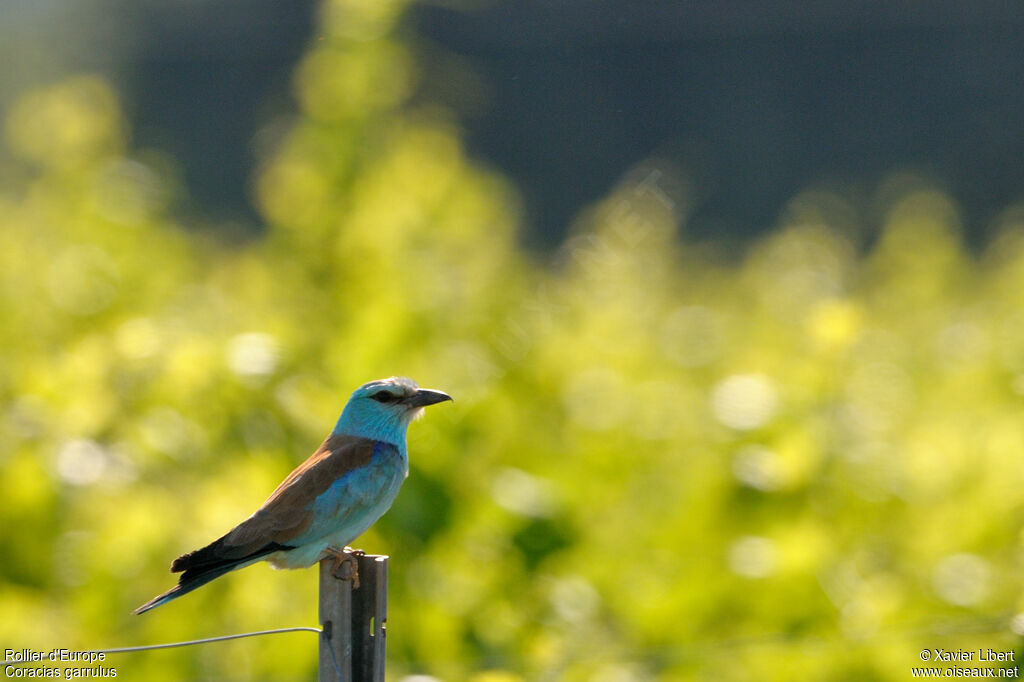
column 353, row 613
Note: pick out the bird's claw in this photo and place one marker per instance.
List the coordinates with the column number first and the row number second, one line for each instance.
column 345, row 565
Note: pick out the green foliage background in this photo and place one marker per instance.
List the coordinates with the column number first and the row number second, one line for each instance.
column 665, row 462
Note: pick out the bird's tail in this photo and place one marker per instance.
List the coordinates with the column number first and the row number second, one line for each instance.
column 204, row 565
column 189, row 581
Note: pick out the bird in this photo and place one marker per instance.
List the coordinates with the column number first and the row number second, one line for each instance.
column 327, row 501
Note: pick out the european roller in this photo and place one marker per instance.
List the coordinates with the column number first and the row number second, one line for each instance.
column 329, row 500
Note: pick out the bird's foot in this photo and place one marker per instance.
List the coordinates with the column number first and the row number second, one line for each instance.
column 345, row 566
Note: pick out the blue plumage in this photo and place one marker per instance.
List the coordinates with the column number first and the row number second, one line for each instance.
column 328, row 500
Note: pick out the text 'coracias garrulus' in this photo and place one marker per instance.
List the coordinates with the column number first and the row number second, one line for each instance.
column 329, row 500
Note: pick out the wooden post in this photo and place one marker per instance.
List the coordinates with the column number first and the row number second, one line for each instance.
column 336, row 621
column 353, row 620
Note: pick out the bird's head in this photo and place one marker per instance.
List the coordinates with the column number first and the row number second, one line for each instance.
column 383, row 409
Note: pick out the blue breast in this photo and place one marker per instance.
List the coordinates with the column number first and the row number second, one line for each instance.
column 360, row 497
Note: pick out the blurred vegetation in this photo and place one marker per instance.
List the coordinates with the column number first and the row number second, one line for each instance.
column 665, row 461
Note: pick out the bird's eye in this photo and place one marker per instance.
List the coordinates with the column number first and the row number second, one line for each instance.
column 383, row 397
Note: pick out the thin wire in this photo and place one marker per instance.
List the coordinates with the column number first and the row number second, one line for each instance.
column 694, row 649
column 172, row 645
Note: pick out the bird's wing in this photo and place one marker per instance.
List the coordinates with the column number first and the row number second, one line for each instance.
column 288, row 512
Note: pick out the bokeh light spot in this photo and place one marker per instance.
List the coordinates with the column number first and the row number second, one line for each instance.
column 82, row 461
column 82, row 279
column 522, row 493
column 962, row 579
column 744, row 401
column 137, row 338
column 597, row 398
column 253, row 354
column 758, row 467
column 753, row 556
column 574, row 599
column 693, row 336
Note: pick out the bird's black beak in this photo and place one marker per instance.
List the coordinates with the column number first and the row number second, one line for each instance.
column 426, row 396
